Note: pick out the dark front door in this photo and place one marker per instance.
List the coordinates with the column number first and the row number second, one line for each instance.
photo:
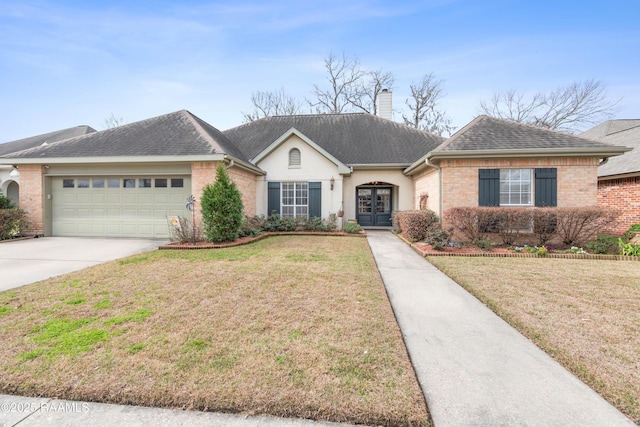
column 374, row 206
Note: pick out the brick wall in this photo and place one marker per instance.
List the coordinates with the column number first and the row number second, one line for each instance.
column 624, row 195
column 31, row 197
column 204, row 173
column 577, row 179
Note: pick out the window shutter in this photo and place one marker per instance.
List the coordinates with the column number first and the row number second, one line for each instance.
column 315, row 200
column 546, row 187
column 273, row 198
column 489, row 187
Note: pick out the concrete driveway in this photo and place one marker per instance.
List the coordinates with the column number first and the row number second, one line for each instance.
column 28, row 261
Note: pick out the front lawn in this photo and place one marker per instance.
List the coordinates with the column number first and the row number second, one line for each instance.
column 586, row 314
column 295, row 326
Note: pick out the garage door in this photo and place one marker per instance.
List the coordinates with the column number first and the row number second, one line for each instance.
column 107, row 206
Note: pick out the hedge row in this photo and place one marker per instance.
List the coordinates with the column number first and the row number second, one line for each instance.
column 570, row 225
column 414, row 225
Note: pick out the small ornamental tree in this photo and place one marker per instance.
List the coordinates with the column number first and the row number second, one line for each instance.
column 222, row 208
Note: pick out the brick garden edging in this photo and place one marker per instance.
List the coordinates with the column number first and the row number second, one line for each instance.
column 522, row 255
column 247, row 240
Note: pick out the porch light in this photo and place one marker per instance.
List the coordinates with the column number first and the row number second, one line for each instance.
column 332, row 181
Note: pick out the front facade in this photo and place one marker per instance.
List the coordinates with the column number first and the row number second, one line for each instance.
column 128, row 181
column 619, row 178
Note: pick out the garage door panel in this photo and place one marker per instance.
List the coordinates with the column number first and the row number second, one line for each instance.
column 116, row 212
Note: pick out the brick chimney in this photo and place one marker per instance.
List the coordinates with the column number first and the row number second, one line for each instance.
column 383, row 106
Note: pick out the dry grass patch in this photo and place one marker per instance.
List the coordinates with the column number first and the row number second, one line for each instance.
column 296, row 326
column 586, row 314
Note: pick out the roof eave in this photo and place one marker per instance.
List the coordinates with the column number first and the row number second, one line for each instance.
column 520, row 153
column 618, row 176
column 371, row 166
column 217, row 157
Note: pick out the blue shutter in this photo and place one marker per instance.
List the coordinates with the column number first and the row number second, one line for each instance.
column 546, row 187
column 489, row 187
column 315, row 200
column 273, row 198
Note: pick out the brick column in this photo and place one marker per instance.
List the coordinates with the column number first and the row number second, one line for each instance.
column 32, row 197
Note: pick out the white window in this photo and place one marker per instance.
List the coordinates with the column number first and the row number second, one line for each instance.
column 295, row 199
column 294, row 158
column 515, row 187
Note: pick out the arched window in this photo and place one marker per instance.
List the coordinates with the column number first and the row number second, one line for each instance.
column 294, row 158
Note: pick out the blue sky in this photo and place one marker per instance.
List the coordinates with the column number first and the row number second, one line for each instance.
column 69, row 63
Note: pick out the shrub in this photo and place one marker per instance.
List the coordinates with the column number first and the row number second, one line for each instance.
column 221, row 208
column 628, row 249
column 635, row 228
column 472, row 222
column 275, row 222
column 577, row 225
column 438, row 238
column 5, row 202
column 352, row 227
column 414, row 225
column 509, row 223
column 183, row 230
column 544, row 224
column 604, row 244
column 12, row 221
column 482, row 244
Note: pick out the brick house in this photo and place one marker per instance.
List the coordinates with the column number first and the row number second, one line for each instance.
column 619, row 177
column 495, row 162
column 126, row 181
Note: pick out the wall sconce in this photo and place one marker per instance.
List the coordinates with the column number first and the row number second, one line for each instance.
column 332, row 181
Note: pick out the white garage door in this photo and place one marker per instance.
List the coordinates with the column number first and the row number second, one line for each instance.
column 117, row 206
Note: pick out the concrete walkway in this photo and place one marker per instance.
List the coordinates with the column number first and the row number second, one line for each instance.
column 475, row 369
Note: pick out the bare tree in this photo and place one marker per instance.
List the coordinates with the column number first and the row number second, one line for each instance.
column 374, row 82
column 568, row 109
column 423, row 104
column 346, row 86
column 267, row 104
column 113, row 121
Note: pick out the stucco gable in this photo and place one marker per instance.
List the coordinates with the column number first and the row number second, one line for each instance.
column 342, row 168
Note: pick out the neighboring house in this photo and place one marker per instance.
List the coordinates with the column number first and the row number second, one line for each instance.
column 495, row 162
column 619, row 178
column 10, row 176
column 125, row 181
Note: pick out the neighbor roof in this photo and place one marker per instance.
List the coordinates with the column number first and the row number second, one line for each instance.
column 174, row 134
column 619, row 132
column 486, row 133
column 48, row 138
column 353, row 139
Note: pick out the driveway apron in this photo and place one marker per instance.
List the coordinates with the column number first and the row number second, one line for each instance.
column 28, row 261
column 473, row 367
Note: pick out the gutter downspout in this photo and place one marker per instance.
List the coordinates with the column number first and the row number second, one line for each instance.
column 439, row 169
column 603, row 161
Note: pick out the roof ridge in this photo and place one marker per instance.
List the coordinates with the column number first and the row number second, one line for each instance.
column 193, row 119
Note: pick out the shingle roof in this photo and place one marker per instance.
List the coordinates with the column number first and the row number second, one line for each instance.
column 619, row 132
column 357, row 138
column 51, row 137
column 490, row 133
column 173, row 134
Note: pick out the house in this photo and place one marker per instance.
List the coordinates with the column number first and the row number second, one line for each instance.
column 619, row 177
column 126, row 181
column 10, row 177
column 496, row 162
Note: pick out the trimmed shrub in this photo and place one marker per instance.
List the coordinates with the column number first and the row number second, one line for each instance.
column 414, row 225
column 12, row 221
column 510, row 223
column 221, row 208
column 473, row 222
column 352, row 227
column 577, row 225
column 635, row 228
column 438, row 238
column 604, row 244
column 545, row 221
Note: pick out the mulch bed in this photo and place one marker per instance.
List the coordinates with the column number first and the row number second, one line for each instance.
column 246, row 240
